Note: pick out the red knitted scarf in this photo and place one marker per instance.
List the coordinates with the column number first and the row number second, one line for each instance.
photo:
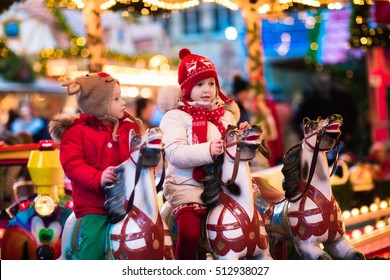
column 200, row 116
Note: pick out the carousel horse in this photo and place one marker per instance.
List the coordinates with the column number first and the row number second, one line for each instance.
column 136, row 230
column 234, row 227
column 307, row 212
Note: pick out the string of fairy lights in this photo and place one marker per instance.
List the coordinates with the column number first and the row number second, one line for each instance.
column 267, row 6
column 379, row 212
column 363, row 34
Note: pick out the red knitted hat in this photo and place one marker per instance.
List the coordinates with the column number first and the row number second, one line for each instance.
column 194, row 68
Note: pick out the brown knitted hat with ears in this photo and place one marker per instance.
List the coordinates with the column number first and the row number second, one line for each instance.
column 94, row 92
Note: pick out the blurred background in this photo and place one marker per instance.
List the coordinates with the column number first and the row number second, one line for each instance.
column 277, row 47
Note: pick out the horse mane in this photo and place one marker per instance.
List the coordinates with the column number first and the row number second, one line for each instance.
column 212, row 188
column 292, row 171
column 116, row 197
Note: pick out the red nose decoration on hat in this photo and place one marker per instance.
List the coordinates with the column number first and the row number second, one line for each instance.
column 184, row 52
column 103, row 74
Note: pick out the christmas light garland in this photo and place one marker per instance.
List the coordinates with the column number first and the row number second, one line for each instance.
column 362, row 34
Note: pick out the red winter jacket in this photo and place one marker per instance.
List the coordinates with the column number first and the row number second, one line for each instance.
column 86, row 150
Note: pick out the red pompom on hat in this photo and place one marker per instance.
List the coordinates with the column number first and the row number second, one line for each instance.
column 194, row 68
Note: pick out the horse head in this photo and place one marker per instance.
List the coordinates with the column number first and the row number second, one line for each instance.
column 145, row 150
column 240, row 147
column 327, row 132
column 241, row 144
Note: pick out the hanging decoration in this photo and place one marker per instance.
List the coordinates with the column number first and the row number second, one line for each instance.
column 253, row 10
column 78, row 48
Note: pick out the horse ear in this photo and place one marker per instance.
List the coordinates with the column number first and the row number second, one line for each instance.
column 132, row 134
column 305, row 120
column 264, row 149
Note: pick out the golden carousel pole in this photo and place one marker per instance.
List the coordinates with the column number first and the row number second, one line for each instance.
column 261, row 113
column 255, row 63
column 94, row 30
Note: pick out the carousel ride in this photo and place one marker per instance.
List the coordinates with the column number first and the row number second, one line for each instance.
column 37, row 217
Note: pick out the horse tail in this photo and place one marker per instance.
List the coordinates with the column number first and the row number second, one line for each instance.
column 232, row 187
column 212, row 189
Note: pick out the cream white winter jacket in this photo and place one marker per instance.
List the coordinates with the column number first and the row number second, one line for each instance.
column 183, row 156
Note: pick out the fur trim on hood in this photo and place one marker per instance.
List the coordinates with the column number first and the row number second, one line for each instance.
column 233, row 107
column 59, row 124
column 62, row 122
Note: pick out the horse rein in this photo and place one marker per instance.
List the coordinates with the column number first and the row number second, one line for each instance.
column 337, row 148
column 235, row 167
column 239, row 144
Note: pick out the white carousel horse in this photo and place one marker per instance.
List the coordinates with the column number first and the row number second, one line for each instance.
column 307, row 212
column 234, row 226
column 136, row 229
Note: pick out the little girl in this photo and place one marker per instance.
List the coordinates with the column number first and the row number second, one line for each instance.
column 192, row 137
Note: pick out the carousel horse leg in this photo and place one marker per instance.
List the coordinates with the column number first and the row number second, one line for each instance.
column 263, row 255
column 278, row 249
column 310, row 250
column 169, row 253
column 342, row 249
column 202, row 252
column 229, row 256
column 67, row 237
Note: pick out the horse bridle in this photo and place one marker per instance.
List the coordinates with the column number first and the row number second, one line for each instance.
column 316, row 149
column 138, row 169
column 240, row 144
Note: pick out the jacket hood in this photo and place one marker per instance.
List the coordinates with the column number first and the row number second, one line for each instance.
column 62, row 122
